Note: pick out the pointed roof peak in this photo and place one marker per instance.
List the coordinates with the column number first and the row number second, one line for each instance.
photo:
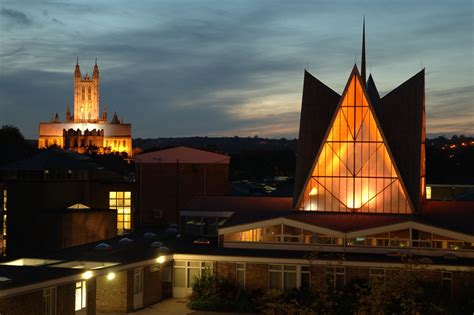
column 115, row 119
column 355, row 70
column 77, row 71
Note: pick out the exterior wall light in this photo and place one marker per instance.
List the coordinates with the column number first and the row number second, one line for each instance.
column 111, row 276
column 87, row 275
column 160, row 259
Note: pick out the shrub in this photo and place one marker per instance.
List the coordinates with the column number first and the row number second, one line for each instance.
column 212, row 293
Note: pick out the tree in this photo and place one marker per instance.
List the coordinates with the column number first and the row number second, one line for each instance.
column 14, row 146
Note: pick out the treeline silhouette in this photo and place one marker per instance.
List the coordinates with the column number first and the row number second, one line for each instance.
column 448, row 160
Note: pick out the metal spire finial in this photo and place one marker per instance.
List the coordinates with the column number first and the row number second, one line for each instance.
column 363, row 54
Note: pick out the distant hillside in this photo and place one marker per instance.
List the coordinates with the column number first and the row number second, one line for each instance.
column 448, row 161
column 229, row 145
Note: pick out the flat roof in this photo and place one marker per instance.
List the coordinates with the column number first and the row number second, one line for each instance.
column 182, row 155
column 452, row 215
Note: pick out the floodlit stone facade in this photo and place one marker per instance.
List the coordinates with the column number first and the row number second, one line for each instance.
column 86, row 130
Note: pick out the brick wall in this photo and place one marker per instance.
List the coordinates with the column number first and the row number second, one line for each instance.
column 31, row 303
column 91, row 296
column 24, row 304
column 256, row 276
column 462, row 285
column 112, row 294
column 226, row 270
column 129, row 290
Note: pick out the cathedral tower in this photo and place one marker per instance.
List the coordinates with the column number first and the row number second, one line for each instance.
column 86, row 95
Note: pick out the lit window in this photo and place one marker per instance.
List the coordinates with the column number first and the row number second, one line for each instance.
column 240, row 274
column 122, row 202
column 281, row 234
column 354, row 169
column 81, row 295
column 428, row 192
column 49, row 301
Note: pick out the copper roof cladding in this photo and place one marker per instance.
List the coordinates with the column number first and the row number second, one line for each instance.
column 401, row 114
column 317, row 109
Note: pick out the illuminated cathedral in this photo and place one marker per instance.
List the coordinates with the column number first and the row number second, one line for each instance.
column 86, row 130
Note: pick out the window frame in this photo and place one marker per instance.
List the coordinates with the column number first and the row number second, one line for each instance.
column 121, row 201
column 187, row 265
column 50, row 301
column 285, row 269
column 81, row 290
column 447, row 276
column 240, row 267
column 333, row 272
column 138, row 280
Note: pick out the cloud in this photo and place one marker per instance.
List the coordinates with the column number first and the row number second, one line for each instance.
column 57, row 21
column 15, row 16
column 222, row 68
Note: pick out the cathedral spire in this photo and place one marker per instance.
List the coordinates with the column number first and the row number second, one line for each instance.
column 77, row 72
column 68, row 113
column 363, row 55
column 95, row 74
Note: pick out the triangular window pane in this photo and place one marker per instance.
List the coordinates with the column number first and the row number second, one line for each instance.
column 354, row 170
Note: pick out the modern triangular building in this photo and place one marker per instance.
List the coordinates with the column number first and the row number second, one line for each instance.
column 354, row 155
column 354, row 169
column 358, row 206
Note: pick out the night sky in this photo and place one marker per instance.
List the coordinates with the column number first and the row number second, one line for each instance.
column 229, row 68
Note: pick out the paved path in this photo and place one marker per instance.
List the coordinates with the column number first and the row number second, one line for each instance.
column 170, row 307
